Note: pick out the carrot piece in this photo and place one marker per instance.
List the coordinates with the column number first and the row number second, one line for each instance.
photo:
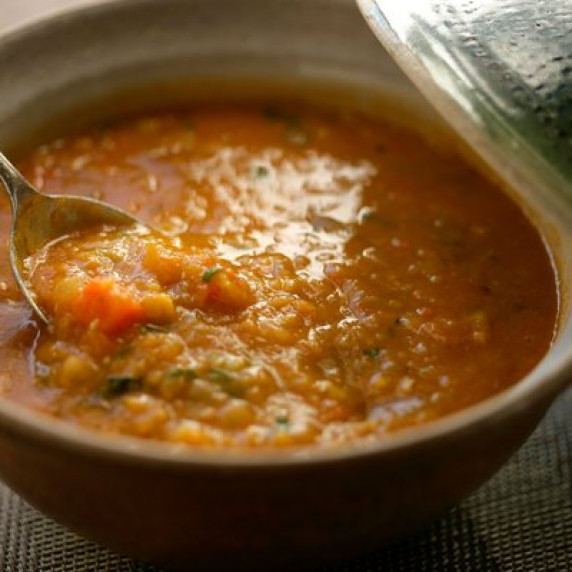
column 104, row 300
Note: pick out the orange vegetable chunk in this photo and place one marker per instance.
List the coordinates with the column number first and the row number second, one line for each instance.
column 110, row 304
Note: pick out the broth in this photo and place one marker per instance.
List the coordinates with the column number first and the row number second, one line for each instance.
column 314, row 277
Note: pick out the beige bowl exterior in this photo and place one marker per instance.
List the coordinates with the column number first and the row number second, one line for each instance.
column 224, row 510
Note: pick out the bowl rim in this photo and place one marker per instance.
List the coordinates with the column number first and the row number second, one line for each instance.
column 539, row 387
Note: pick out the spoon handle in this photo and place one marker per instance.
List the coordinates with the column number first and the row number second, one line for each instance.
column 15, row 185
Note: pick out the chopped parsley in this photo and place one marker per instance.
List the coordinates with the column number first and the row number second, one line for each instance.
column 183, row 372
column 210, row 273
column 260, row 172
column 372, row 352
column 119, row 385
column 227, row 382
column 282, row 423
column 220, row 375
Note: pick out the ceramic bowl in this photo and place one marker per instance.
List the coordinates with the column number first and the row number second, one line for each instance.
column 225, row 510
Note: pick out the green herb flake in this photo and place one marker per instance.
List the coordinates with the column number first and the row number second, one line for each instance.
column 220, row 375
column 119, row 385
column 372, row 352
column 186, row 373
column 226, row 381
column 282, row 423
column 260, row 172
column 210, row 273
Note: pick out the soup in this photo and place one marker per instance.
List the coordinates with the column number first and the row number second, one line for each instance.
column 312, row 278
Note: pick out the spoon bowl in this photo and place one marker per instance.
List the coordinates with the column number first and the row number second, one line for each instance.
column 38, row 220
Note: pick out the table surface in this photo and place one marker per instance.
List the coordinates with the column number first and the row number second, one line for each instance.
column 520, row 521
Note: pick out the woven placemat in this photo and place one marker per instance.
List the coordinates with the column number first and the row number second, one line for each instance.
column 520, row 521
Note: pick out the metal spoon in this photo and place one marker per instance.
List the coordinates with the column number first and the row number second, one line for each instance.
column 39, row 219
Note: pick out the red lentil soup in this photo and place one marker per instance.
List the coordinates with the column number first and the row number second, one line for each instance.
column 313, row 277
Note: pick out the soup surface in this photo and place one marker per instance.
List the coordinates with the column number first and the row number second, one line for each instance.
column 313, row 277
